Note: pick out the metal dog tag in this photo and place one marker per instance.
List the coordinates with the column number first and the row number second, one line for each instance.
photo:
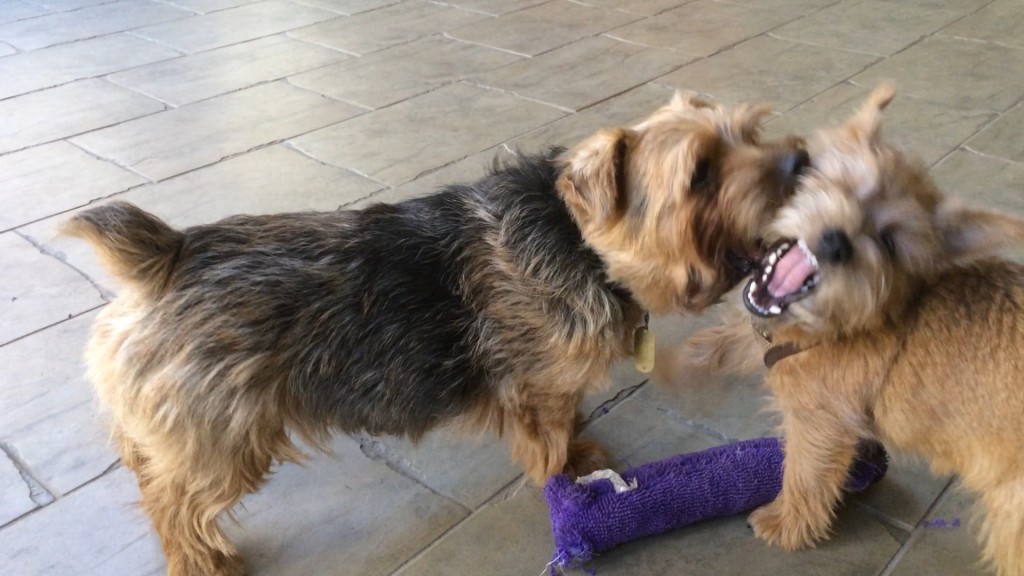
column 643, row 349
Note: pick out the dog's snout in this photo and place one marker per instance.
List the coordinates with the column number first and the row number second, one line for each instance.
column 835, row 246
column 792, row 164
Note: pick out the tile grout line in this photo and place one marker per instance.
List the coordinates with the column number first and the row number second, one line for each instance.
column 915, row 535
column 104, row 294
column 52, row 324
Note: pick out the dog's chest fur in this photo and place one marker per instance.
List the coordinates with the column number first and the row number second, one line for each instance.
column 397, row 317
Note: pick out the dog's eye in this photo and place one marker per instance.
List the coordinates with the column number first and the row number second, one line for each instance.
column 888, row 240
column 701, row 175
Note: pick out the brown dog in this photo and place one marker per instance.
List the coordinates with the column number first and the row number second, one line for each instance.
column 494, row 305
column 888, row 320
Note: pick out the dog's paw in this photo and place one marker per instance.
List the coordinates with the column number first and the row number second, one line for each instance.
column 786, row 529
column 585, row 456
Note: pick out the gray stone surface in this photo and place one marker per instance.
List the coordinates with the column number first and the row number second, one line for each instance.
column 50, row 67
column 234, row 25
column 923, row 128
column 396, row 144
column 50, row 422
column 704, row 27
column 563, row 77
column 98, row 532
column 392, row 25
column 208, row 74
column 260, row 106
column 778, row 72
column 52, row 178
column 343, row 513
column 176, row 141
column 36, row 290
column 399, row 73
column 540, row 28
column 33, row 33
column 67, row 110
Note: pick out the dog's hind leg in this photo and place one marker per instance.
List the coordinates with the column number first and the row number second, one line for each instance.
column 1003, row 528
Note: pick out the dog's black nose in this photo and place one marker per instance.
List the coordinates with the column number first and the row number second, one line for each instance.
column 793, row 163
column 835, row 246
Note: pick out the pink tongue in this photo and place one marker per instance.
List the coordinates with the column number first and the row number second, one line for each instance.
column 791, row 271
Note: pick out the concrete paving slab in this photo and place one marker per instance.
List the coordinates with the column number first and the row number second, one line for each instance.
column 1001, row 138
column 68, row 110
column 924, row 129
column 87, row 22
column 395, row 74
column 544, row 27
column 64, row 63
column 869, row 26
column 777, row 72
column 269, row 180
column 1001, row 22
column 339, row 514
column 389, row 26
column 52, row 422
column 704, row 27
column 36, row 290
column 201, row 76
column 98, row 532
column 583, row 73
column 233, row 25
column 396, row 144
column 960, row 72
column 180, row 140
column 53, row 178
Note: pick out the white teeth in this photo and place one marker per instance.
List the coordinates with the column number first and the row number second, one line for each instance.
column 807, row 253
column 775, row 309
column 768, row 270
column 772, row 258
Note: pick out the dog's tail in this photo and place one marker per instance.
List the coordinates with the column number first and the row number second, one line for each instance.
column 138, row 248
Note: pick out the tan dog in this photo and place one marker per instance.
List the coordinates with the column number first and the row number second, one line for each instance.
column 887, row 320
column 494, row 305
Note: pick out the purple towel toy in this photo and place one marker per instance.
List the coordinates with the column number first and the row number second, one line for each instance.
column 590, row 518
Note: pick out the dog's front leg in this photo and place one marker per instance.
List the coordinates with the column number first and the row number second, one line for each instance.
column 543, row 430
column 819, row 446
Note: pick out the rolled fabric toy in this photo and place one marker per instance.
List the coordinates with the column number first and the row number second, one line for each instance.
column 593, row 516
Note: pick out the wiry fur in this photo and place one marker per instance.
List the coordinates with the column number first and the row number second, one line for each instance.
column 493, row 305
column 917, row 344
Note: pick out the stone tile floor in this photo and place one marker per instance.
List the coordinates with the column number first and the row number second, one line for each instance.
column 197, row 109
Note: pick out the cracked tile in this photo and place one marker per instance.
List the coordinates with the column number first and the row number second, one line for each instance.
column 36, row 290
column 86, row 23
column 51, row 418
column 98, row 532
column 183, row 139
column 15, row 495
column 52, row 178
column 68, row 110
column 201, row 76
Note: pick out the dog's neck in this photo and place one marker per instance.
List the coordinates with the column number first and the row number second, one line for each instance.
column 774, row 353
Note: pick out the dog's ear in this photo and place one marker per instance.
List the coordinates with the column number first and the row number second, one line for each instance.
column 866, row 123
column 594, row 183
column 684, row 99
column 748, row 118
column 969, row 234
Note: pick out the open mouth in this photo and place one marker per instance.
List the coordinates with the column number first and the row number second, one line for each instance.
column 789, row 273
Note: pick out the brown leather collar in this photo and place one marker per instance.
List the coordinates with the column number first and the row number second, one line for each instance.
column 774, row 353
